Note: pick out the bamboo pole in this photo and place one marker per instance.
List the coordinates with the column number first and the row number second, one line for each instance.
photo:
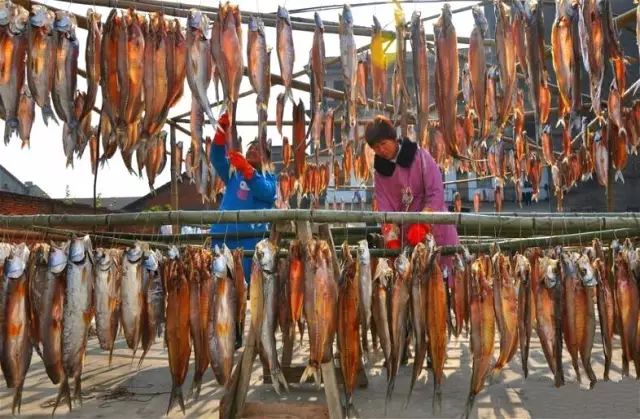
column 479, row 222
column 579, row 239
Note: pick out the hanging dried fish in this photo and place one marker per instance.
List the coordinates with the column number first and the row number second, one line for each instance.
column 447, row 74
column 421, row 78
column 378, row 66
column 41, row 59
column 317, row 62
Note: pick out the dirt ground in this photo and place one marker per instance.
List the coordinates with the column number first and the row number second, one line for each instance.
column 123, row 391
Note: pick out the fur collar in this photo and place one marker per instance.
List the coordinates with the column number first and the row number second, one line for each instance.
column 405, row 157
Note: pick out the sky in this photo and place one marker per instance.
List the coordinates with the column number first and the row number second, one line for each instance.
column 44, row 163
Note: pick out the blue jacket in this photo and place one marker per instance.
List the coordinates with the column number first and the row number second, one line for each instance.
column 242, row 194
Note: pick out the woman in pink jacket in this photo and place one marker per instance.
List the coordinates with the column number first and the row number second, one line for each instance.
column 407, row 179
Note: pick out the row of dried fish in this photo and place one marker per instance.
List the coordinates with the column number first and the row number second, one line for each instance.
column 51, row 294
column 556, row 293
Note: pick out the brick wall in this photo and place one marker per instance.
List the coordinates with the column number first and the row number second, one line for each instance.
column 17, row 204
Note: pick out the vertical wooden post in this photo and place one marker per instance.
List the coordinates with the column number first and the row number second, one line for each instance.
column 174, row 177
column 610, row 181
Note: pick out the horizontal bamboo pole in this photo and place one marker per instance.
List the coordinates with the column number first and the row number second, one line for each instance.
column 480, row 222
column 508, row 245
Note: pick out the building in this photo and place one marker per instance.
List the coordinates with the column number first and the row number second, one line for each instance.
column 10, row 183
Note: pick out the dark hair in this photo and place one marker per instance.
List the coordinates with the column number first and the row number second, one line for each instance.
column 380, row 128
column 257, row 144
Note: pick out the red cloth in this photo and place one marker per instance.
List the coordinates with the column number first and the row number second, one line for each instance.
column 416, row 233
column 221, row 134
column 238, row 161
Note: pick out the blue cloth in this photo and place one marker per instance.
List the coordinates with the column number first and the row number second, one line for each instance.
column 240, row 194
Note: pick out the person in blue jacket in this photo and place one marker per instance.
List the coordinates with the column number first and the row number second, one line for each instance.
column 247, row 188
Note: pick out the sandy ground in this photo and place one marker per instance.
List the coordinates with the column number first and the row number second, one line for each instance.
column 124, row 391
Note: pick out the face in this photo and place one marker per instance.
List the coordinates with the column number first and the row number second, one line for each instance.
column 387, row 149
column 253, row 156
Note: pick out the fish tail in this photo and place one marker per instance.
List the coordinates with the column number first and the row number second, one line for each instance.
column 622, row 131
column 301, row 330
column 77, row 391
column 619, row 176
column 389, row 395
column 17, row 399
column 350, row 410
column 309, row 371
column 110, row 355
column 586, row 363
column 437, row 398
column 64, row 392
column 421, row 352
column 48, row 114
column 196, row 385
column 144, row 352
column 469, row 407
column 11, row 127
column 289, row 95
column 176, row 395
column 281, row 378
column 495, row 374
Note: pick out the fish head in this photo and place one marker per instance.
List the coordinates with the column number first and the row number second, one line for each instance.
column 522, row 268
column 550, row 270
column 134, row 253
column 78, row 249
column 459, row 263
column 586, row 271
column 16, row 263
column 6, row 10
column 18, row 20
column 219, row 266
column 283, row 14
column 41, row 17
column 150, row 261
column 198, row 22
column 430, row 242
column 415, row 20
column 63, row 22
column 254, row 24
column 480, row 19
column 364, row 255
column 265, row 255
column 616, row 247
column 419, row 258
column 384, row 273
column 402, row 264
column 104, row 260
column 95, row 20
column 347, row 17
column 58, row 257
column 173, row 252
column 318, row 21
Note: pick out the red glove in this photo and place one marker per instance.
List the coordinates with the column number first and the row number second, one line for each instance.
column 416, row 233
column 238, row 161
column 221, row 133
column 391, row 236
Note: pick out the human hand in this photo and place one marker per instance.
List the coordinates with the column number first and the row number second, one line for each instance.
column 238, row 161
column 221, row 133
